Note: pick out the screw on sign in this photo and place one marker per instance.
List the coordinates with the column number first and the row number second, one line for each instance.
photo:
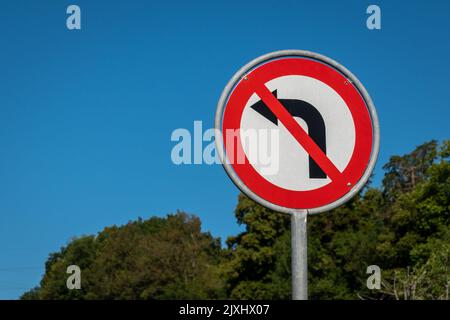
column 328, row 138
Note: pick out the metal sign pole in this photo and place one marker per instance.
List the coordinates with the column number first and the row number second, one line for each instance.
column 299, row 247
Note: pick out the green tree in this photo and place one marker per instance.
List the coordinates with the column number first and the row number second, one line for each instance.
column 419, row 245
column 402, row 227
column 159, row 258
column 252, row 255
column 403, row 173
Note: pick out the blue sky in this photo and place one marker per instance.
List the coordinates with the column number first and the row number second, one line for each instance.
column 86, row 116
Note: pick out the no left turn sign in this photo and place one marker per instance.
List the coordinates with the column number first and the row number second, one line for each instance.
column 327, row 134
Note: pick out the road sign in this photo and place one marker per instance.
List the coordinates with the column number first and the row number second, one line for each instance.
column 326, row 125
column 327, row 139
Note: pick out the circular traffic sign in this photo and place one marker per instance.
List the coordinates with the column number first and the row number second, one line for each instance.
column 296, row 131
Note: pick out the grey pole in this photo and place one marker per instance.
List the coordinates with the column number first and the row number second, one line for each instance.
column 299, row 255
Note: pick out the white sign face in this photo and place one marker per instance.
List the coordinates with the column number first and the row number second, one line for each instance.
column 292, row 160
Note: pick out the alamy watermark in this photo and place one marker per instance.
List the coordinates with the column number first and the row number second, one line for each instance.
column 374, row 20
column 199, row 147
column 74, row 280
column 374, row 280
column 73, row 22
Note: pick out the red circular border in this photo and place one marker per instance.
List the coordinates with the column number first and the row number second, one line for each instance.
column 361, row 118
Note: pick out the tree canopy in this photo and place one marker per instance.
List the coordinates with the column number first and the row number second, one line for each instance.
column 159, row 258
column 402, row 227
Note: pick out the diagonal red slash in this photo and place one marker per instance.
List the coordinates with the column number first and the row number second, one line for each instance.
column 299, row 133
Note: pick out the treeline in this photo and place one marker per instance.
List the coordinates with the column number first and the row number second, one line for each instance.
column 403, row 227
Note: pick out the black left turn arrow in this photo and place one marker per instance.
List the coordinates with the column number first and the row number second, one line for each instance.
column 313, row 119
